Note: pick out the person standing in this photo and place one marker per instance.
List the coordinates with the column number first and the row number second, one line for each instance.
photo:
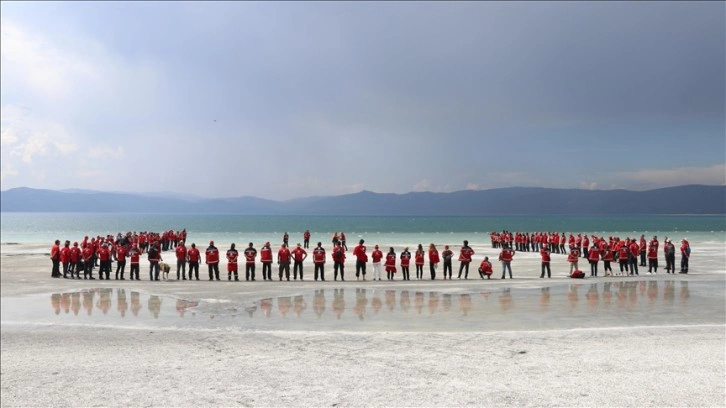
column 134, row 257
column 250, row 256
column 55, row 259
column 306, row 239
column 465, row 255
column 544, row 254
column 418, row 259
column 652, row 258
column 283, row 259
column 376, row 257
column 593, row 257
column 88, row 262
column 338, row 261
column 266, row 259
column 608, row 258
column 360, row 258
column 433, row 260
column 104, row 258
column 120, row 261
column 342, row 240
column 211, row 258
column 685, row 255
column 633, row 256
column 486, row 268
column 643, row 249
column 405, row 260
column 65, row 258
column 154, row 256
column 194, row 257
column 390, row 263
column 286, row 239
column 448, row 254
column 76, row 261
column 298, row 256
column 506, row 258
column 232, row 256
column 181, row 261
column 319, row 261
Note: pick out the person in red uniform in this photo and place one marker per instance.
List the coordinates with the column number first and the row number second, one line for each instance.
column 433, row 260
column 250, row 256
column 685, row 255
column 266, row 259
column 633, row 256
column 283, row 259
column 76, row 258
column 544, row 254
column 338, row 261
column 232, row 255
column 211, row 258
column 390, row 263
column 405, row 261
column 652, row 258
column 506, row 258
column 342, row 241
column 376, row 257
column 418, row 260
column 577, row 274
column 608, row 258
column 88, row 261
column 181, row 261
column 448, row 255
column 193, row 256
column 154, row 256
column 120, row 261
column 465, row 254
column 593, row 256
column 134, row 256
column 298, row 256
column 319, row 261
column 55, row 259
column 65, row 257
column 643, row 249
column 361, row 258
column 104, row 259
column 485, row 268
column 306, row 239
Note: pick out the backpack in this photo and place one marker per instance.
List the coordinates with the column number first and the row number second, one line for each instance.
column 688, row 250
column 671, row 249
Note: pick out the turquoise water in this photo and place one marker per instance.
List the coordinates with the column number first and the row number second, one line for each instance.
column 45, row 227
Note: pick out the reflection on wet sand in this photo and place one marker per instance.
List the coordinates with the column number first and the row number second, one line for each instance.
column 363, row 304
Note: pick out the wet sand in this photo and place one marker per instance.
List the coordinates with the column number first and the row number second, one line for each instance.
column 647, row 341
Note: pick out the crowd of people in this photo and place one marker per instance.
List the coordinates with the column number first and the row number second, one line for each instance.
column 629, row 253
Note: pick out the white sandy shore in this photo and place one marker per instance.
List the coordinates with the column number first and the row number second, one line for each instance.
column 633, row 365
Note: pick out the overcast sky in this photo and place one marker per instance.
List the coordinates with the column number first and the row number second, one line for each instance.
column 284, row 100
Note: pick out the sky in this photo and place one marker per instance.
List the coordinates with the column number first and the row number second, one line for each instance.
column 287, row 100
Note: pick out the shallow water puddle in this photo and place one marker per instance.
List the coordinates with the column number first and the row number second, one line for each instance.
column 576, row 305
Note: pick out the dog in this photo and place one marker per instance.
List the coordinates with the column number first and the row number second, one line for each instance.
column 164, row 268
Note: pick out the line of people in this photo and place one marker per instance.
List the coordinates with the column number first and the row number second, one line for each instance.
column 74, row 259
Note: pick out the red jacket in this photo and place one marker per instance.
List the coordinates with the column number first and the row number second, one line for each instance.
column 266, row 254
column 465, row 254
column 593, row 255
column 319, row 255
column 545, row 256
column 360, row 253
column 486, row 267
column 433, row 256
column 338, row 254
column 65, row 254
column 121, row 254
column 376, row 255
column 405, row 258
column 212, row 255
column 506, row 255
column 181, row 253
column 419, row 257
column 193, row 254
column 250, row 255
column 390, row 262
column 55, row 252
column 299, row 254
column 134, row 254
column 75, row 254
column 283, row 255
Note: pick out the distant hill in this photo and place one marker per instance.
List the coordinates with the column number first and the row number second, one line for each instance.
column 691, row 199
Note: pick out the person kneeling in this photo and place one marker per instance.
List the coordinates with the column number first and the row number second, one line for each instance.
column 485, row 268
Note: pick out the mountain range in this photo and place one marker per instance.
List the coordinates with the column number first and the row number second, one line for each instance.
column 689, row 199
